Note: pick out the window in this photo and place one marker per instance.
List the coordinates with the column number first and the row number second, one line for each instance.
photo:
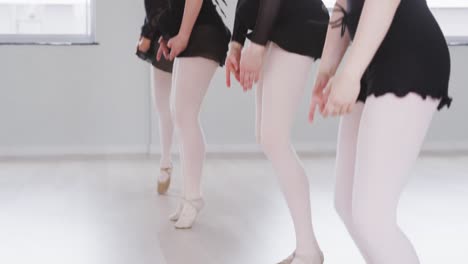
column 47, row 21
column 452, row 16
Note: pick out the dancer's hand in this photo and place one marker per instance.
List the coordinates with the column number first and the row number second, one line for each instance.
column 144, row 44
column 163, row 50
column 232, row 62
column 344, row 91
column 319, row 94
column 177, row 45
column 250, row 65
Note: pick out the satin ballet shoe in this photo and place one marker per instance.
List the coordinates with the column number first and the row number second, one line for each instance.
column 188, row 213
column 163, row 186
column 175, row 216
column 289, row 259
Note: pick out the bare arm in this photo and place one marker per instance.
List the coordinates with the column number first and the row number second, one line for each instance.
column 191, row 10
column 375, row 21
column 179, row 43
column 336, row 43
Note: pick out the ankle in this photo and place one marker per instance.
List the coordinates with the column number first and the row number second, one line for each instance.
column 198, row 203
column 193, row 197
column 310, row 257
column 165, row 164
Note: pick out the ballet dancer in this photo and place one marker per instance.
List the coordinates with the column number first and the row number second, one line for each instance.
column 195, row 37
column 287, row 36
column 148, row 45
column 395, row 77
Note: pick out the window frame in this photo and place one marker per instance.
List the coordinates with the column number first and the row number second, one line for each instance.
column 454, row 40
column 55, row 39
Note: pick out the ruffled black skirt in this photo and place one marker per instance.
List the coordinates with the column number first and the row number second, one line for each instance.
column 413, row 57
column 150, row 57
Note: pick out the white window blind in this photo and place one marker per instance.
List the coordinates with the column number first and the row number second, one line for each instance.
column 48, row 21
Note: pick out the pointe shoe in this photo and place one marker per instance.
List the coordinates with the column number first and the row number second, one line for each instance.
column 163, row 186
column 289, row 259
column 189, row 213
column 175, row 216
column 315, row 259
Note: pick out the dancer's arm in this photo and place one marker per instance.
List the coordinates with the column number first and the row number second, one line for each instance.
column 179, row 43
column 267, row 13
column 233, row 62
column 233, row 58
column 149, row 30
column 252, row 56
column 375, row 21
column 239, row 32
column 337, row 41
column 336, row 44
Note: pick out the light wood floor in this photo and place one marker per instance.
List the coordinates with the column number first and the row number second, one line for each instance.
column 107, row 212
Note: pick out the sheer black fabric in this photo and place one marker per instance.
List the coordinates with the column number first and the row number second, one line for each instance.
column 151, row 31
column 210, row 36
column 413, row 57
column 153, row 9
column 298, row 26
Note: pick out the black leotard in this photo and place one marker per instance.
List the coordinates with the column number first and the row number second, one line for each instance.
column 210, row 37
column 413, row 56
column 151, row 31
column 298, row 26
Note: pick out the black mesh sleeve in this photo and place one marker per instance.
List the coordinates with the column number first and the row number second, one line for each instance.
column 152, row 7
column 146, row 30
column 266, row 18
column 239, row 31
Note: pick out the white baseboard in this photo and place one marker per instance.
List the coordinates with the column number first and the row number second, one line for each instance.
column 58, row 151
column 319, row 147
column 460, row 147
column 456, row 147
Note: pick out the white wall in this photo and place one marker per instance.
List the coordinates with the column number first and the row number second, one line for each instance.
column 95, row 99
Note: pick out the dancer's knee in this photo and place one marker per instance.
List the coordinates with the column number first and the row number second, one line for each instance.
column 185, row 120
column 343, row 208
column 371, row 223
column 273, row 143
column 165, row 115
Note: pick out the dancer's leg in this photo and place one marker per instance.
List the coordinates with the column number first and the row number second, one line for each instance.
column 391, row 133
column 162, row 92
column 258, row 110
column 191, row 82
column 285, row 77
column 345, row 165
column 259, row 97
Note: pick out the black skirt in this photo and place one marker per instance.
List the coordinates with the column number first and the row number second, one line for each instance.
column 209, row 38
column 150, row 57
column 413, row 57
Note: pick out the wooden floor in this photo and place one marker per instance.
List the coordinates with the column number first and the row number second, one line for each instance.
column 107, row 212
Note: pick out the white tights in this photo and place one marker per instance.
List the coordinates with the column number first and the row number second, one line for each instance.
column 377, row 144
column 279, row 92
column 191, row 79
column 162, row 92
